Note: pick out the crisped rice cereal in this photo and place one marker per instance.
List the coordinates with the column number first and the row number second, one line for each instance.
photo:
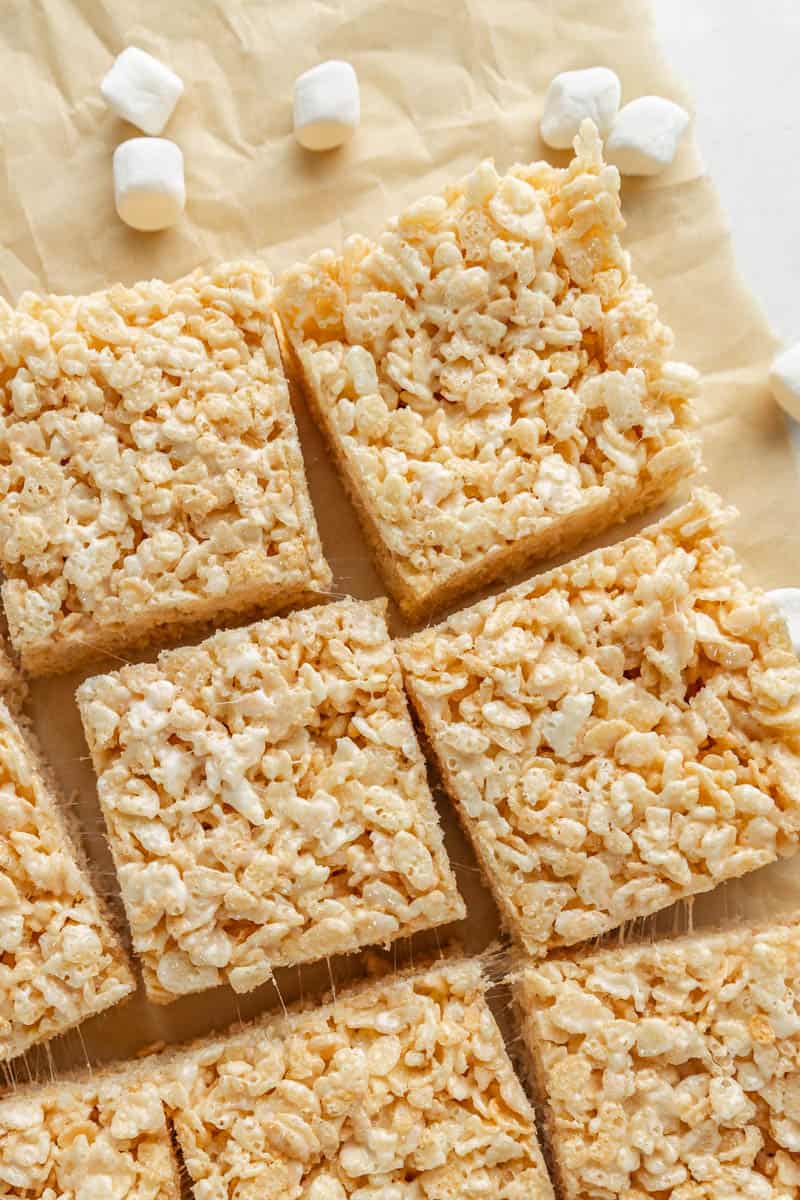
column 619, row 733
column 671, row 1069
column 266, row 800
column 150, row 470
column 98, row 1138
column 400, row 1090
column 60, row 961
column 493, row 381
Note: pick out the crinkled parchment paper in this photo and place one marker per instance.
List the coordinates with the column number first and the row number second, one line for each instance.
column 444, row 83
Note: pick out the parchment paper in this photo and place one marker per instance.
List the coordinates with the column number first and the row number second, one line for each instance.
column 444, row 83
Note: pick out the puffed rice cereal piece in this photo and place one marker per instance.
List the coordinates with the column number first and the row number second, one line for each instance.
column 60, row 961
column 151, row 473
column 266, row 800
column 492, row 379
column 95, row 1138
column 619, row 733
column 399, row 1090
column 671, row 1069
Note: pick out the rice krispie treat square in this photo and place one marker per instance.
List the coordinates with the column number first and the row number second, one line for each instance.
column 400, row 1089
column 98, row 1138
column 150, row 470
column 60, row 961
column 671, row 1069
column 493, row 381
column 266, row 800
column 619, row 733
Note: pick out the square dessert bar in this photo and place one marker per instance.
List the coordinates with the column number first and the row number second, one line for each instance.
column 150, row 470
column 103, row 1137
column 671, row 1069
column 619, row 733
column 60, row 961
column 266, row 800
column 492, row 379
column 401, row 1088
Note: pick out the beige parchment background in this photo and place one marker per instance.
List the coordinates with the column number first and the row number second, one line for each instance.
column 444, row 83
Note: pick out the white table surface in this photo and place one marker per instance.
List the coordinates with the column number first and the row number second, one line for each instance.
column 739, row 60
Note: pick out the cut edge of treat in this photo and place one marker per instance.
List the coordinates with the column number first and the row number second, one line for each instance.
column 710, row 513
column 45, row 659
column 385, row 561
column 13, row 685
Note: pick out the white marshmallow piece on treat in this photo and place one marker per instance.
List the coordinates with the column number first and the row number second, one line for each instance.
column 140, row 89
column 784, row 379
column 327, row 108
column 572, row 97
column 149, row 187
column 645, row 136
column 788, row 603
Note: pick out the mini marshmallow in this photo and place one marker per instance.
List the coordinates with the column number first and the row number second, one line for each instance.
column 140, row 89
column 572, row 97
column 784, row 379
column 645, row 135
column 326, row 105
column 788, row 602
column 149, row 188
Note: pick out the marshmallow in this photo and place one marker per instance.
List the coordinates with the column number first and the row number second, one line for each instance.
column 784, row 379
column 788, row 603
column 326, row 105
column 140, row 89
column 572, row 97
column 149, row 189
column 645, row 135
